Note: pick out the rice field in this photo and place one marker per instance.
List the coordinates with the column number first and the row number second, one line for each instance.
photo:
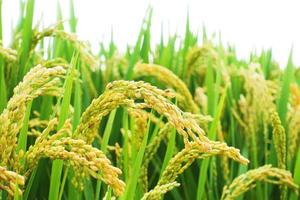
column 187, row 121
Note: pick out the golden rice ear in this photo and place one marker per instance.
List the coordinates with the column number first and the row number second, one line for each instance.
column 166, row 76
column 182, row 160
column 9, row 181
column 10, row 55
column 85, row 159
column 293, row 122
column 255, row 106
column 141, row 118
column 248, row 180
column 279, row 139
column 124, row 93
column 159, row 191
column 293, row 133
column 38, row 81
column 197, row 60
column 82, row 47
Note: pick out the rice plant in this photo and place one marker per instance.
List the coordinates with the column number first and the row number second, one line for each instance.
column 187, row 122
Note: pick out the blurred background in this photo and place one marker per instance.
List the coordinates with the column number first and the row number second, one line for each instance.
column 248, row 25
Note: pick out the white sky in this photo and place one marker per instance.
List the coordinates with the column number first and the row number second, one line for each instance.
column 248, row 24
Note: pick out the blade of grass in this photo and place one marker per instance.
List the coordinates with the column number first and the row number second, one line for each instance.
column 3, row 92
column 212, row 136
column 22, row 140
column 296, row 176
column 186, row 44
column 146, row 40
column 73, row 19
column 267, row 63
column 282, row 105
column 104, row 144
column 136, row 52
column 26, row 38
column 29, row 184
column 132, row 183
column 170, row 149
column 167, row 54
column 3, row 89
column 125, row 151
column 63, row 183
column 77, row 113
column 88, row 190
column 58, row 164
